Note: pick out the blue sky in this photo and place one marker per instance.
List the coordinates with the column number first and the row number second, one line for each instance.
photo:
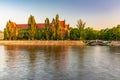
column 96, row 13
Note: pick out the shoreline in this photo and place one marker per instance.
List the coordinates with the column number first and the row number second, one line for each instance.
column 43, row 43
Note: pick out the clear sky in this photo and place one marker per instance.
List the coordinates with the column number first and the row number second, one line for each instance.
column 96, row 13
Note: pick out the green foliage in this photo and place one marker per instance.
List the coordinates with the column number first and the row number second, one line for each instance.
column 81, row 26
column 9, row 31
column 74, row 34
column 48, row 30
column 31, row 27
column 23, row 34
column 90, row 34
column 40, row 34
column 57, row 32
column 5, row 38
column 110, row 34
column 52, row 31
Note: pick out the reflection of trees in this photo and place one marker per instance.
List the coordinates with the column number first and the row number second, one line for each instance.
column 52, row 56
column 32, row 54
column 55, row 60
column 54, row 52
column 49, row 58
column 12, row 52
column 12, row 63
column 19, row 61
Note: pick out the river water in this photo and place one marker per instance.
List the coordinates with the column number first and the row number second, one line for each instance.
column 59, row 63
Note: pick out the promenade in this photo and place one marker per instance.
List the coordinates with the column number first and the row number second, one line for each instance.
column 38, row 42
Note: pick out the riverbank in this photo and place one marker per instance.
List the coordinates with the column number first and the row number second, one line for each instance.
column 46, row 43
column 115, row 43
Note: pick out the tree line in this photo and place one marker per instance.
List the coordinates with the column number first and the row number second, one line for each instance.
column 92, row 34
column 52, row 32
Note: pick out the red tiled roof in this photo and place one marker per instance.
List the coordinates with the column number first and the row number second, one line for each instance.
column 24, row 26
column 40, row 25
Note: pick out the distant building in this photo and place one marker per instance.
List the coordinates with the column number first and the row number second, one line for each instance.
column 20, row 31
column 63, row 27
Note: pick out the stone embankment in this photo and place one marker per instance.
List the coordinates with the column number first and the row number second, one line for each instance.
column 37, row 42
column 115, row 43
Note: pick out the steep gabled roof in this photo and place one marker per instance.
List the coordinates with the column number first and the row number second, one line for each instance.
column 13, row 24
column 62, row 23
column 67, row 26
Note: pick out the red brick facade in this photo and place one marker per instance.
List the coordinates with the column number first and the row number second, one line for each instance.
column 62, row 27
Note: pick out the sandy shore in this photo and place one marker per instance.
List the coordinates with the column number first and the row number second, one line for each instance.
column 37, row 42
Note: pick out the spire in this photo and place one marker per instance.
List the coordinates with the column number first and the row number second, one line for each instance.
column 9, row 21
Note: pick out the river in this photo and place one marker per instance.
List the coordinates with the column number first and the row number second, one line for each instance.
column 59, row 63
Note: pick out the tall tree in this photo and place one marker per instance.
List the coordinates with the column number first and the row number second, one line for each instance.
column 9, row 30
column 57, row 32
column 31, row 27
column 53, row 29
column 5, row 38
column 15, row 29
column 47, row 28
column 81, row 26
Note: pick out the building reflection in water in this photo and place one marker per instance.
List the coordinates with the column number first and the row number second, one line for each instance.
column 34, row 60
column 12, row 53
column 59, row 63
column 17, row 62
column 3, row 61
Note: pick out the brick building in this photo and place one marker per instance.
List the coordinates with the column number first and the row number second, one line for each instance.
column 63, row 27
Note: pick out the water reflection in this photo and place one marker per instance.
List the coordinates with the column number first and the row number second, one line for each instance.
column 35, row 60
column 2, row 61
column 59, row 63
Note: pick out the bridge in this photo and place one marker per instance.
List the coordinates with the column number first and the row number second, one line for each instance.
column 97, row 42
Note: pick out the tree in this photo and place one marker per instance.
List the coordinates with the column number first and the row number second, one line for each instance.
column 9, row 31
column 5, row 38
column 40, row 34
column 117, row 32
column 90, row 34
column 57, row 32
column 31, row 27
column 110, row 34
column 47, row 29
column 15, row 30
column 81, row 26
column 53, row 29
column 68, row 37
column 74, row 34
column 21, row 34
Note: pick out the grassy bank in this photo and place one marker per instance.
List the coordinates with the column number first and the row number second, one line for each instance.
column 37, row 42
